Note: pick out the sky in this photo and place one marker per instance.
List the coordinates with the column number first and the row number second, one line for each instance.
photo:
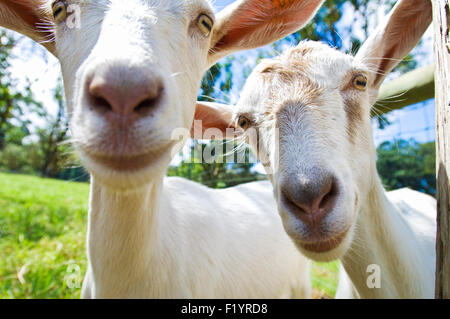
column 42, row 70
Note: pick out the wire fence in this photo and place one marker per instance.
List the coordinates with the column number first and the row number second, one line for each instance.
column 416, row 122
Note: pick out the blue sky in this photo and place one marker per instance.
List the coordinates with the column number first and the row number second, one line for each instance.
column 41, row 69
column 220, row 4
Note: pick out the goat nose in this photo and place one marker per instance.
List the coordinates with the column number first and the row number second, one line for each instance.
column 310, row 201
column 124, row 94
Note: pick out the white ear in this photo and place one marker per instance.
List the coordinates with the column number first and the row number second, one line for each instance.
column 247, row 24
column 27, row 17
column 210, row 115
column 395, row 38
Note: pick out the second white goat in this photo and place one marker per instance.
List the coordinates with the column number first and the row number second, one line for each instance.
column 310, row 111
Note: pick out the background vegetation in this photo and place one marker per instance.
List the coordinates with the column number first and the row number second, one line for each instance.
column 43, row 221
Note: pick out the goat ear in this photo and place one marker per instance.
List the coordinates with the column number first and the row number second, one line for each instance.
column 247, row 24
column 212, row 116
column 395, row 38
column 28, row 17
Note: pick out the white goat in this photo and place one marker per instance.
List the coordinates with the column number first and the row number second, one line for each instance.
column 313, row 104
column 131, row 72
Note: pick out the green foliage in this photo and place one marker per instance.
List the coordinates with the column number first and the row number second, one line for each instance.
column 43, row 154
column 15, row 134
column 13, row 158
column 410, row 164
column 47, row 153
column 54, row 153
column 42, row 240
column 217, row 82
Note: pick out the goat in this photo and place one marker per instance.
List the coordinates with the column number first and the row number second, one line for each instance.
column 131, row 72
column 309, row 109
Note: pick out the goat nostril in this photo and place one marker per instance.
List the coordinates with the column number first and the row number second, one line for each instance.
column 100, row 104
column 293, row 203
column 329, row 194
column 98, row 98
column 149, row 103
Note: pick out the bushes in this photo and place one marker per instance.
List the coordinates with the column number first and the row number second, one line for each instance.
column 407, row 163
column 14, row 158
column 30, row 159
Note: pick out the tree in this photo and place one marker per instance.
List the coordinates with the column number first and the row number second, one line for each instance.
column 402, row 163
column 217, row 82
column 52, row 136
column 14, row 103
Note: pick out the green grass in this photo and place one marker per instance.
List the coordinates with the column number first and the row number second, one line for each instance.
column 42, row 233
column 42, row 240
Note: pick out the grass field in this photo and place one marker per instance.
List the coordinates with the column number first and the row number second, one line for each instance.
column 42, row 240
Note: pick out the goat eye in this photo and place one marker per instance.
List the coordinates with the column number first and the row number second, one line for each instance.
column 205, row 24
column 360, row 82
column 59, row 11
column 243, row 122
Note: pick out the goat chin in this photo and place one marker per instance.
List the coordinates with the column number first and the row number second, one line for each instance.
column 127, row 178
column 326, row 256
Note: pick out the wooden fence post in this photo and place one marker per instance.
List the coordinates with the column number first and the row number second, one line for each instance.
column 441, row 21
